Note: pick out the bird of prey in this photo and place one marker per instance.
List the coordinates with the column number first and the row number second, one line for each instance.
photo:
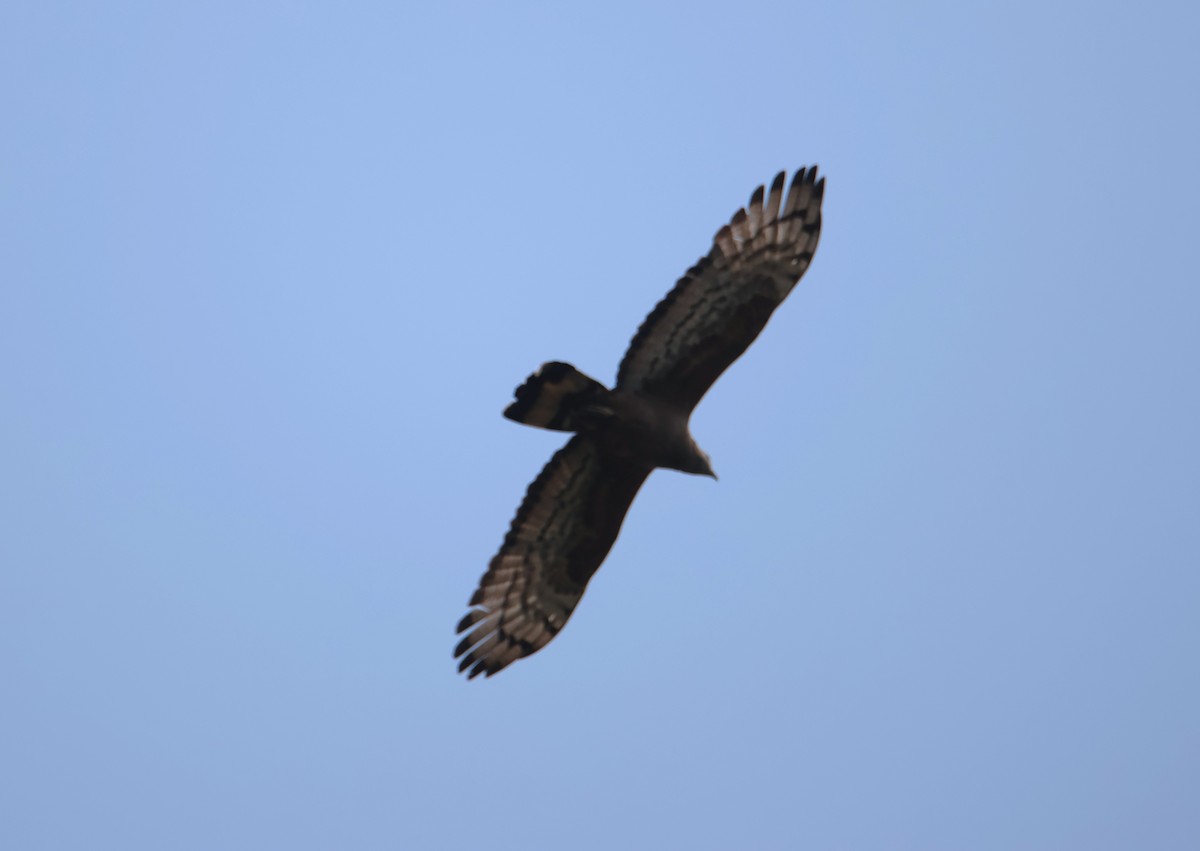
column 574, row 509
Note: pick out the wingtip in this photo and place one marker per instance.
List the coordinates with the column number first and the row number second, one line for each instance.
column 463, row 646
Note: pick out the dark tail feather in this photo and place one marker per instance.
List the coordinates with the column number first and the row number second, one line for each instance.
column 558, row 397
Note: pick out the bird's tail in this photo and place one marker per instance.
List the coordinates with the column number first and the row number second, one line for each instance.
column 559, row 397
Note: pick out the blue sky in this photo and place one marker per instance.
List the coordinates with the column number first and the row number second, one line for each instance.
column 270, row 272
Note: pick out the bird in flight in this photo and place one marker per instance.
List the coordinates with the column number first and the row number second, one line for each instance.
column 574, row 509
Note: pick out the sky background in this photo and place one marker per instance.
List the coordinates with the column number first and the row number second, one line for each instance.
column 269, row 273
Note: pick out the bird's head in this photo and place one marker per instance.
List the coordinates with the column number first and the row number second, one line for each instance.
column 697, row 462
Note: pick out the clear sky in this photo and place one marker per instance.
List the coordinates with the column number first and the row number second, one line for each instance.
column 269, row 273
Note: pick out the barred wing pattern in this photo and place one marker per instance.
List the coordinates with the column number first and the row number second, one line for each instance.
column 563, row 530
column 719, row 307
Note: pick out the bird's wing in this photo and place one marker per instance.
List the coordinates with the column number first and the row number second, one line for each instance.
column 563, row 530
column 717, row 309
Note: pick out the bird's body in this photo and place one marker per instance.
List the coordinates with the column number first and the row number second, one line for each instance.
column 573, row 511
column 655, row 432
column 628, row 424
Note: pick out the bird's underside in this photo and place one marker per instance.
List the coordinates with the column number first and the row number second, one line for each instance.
column 573, row 511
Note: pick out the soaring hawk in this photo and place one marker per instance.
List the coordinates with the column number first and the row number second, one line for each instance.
column 574, row 509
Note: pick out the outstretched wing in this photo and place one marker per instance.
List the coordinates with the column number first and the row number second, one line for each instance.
column 562, row 532
column 717, row 309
